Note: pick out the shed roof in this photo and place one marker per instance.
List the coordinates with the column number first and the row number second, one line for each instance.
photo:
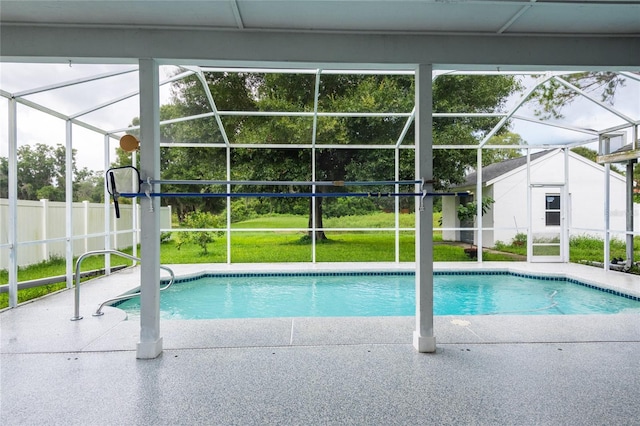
column 495, row 170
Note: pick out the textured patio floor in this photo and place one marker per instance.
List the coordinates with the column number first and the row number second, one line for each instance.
column 300, row 371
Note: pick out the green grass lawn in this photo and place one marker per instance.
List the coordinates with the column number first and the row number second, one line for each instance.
column 274, row 221
column 582, row 248
column 377, row 220
column 272, row 247
column 52, row 268
column 283, row 246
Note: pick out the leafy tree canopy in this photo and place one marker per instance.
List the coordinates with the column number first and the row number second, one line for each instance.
column 496, row 155
column 41, row 175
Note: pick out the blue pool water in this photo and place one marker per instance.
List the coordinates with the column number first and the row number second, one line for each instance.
column 381, row 294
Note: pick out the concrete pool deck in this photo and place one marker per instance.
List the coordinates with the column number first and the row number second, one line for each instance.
column 581, row 369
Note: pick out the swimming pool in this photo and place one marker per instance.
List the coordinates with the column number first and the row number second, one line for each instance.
column 379, row 294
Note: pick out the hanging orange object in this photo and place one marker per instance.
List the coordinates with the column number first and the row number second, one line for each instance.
column 129, row 143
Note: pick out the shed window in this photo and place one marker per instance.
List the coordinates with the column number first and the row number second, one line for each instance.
column 552, row 210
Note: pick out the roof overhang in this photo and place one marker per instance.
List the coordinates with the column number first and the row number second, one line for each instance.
column 454, row 34
column 23, row 43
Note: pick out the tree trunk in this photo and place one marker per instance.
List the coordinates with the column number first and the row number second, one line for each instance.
column 318, row 217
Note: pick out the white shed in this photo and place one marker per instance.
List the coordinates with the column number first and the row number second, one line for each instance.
column 557, row 209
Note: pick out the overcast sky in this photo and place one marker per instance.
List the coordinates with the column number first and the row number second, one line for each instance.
column 37, row 127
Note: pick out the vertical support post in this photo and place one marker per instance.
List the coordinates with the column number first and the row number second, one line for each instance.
column 107, row 209
column 607, row 222
column 314, row 131
column 135, row 223
column 479, row 225
column 564, row 212
column 150, row 345
column 45, row 228
column 629, row 235
column 629, row 181
column 529, row 215
column 313, row 205
column 397, row 205
column 114, row 226
column 69, row 202
column 13, row 203
column 423, row 338
column 85, row 209
column 228, row 151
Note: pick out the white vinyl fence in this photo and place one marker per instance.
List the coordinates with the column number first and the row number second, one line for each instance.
column 42, row 229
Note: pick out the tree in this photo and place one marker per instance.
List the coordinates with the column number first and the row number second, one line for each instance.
column 89, row 186
column 292, row 92
column 42, row 174
column 199, row 220
column 585, row 152
column 230, row 91
column 467, row 212
column 338, row 93
column 496, row 155
column 458, row 94
column 386, row 94
column 36, row 170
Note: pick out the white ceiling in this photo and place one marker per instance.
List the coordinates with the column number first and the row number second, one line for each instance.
column 487, row 17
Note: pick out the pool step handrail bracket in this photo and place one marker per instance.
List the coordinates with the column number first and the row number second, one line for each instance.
column 99, row 312
column 77, row 315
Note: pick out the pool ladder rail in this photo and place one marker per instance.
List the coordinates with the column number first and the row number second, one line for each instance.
column 98, row 311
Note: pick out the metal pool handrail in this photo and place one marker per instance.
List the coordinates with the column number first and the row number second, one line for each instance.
column 77, row 316
column 99, row 312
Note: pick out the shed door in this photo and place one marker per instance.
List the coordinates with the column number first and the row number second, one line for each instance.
column 547, row 224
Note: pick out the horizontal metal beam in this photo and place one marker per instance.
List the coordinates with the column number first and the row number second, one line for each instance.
column 559, row 126
column 619, row 127
column 398, row 51
column 468, row 114
column 4, row 288
column 280, row 146
column 73, row 82
column 618, row 157
column 59, row 115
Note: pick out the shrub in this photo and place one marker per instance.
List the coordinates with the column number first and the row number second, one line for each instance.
column 349, row 206
column 519, row 240
column 467, row 212
column 199, row 220
column 243, row 209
